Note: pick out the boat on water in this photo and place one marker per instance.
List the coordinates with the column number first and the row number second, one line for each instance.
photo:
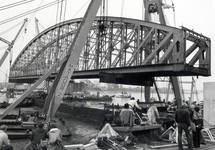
column 80, row 96
column 4, row 104
column 9, row 97
column 102, row 98
column 123, row 95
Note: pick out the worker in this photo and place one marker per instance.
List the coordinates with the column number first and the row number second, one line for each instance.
column 133, row 103
column 4, row 140
column 37, row 135
column 127, row 115
column 182, row 117
column 61, row 124
column 108, row 118
column 152, row 114
column 54, row 138
column 198, row 121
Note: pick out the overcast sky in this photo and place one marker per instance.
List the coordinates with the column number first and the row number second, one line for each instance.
column 194, row 14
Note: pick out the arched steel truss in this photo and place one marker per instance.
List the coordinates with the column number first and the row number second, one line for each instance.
column 115, row 43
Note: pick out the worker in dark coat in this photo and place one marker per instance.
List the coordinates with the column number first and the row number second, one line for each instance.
column 198, row 121
column 182, row 117
column 38, row 134
column 108, row 118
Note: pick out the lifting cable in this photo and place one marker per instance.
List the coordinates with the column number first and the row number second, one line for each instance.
column 122, row 7
column 102, row 31
column 58, row 20
column 43, row 28
column 143, row 11
column 80, row 9
column 34, row 13
column 26, row 26
column 173, row 7
column 64, row 17
column 103, row 18
column 15, row 4
column 11, row 53
column 10, row 28
column 11, row 6
column 28, row 12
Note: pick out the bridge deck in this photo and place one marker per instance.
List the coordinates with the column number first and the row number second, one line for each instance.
column 122, row 73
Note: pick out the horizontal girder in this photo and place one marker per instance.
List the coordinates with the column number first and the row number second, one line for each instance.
column 146, row 71
column 117, row 44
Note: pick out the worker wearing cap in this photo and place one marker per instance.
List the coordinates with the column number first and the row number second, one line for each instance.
column 3, row 136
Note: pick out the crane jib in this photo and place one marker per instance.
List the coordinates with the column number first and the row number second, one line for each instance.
column 68, row 71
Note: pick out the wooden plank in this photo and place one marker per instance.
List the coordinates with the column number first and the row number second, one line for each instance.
column 163, row 146
column 137, row 128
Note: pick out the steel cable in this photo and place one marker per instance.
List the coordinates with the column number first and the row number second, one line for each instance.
column 14, row 4
column 28, row 12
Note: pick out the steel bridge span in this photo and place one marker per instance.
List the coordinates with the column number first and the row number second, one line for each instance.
column 117, row 50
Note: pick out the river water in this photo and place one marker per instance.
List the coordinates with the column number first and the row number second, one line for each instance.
column 121, row 101
column 137, row 95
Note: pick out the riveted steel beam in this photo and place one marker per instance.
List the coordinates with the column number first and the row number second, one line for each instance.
column 123, row 43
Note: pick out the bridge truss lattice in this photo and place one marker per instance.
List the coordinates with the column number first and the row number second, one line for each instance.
column 119, row 46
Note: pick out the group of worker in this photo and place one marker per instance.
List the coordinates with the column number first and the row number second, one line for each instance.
column 43, row 137
column 128, row 116
column 49, row 137
column 189, row 119
column 46, row 138
column 130, row 111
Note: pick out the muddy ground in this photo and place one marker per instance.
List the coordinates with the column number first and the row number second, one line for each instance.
column 84, row 129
